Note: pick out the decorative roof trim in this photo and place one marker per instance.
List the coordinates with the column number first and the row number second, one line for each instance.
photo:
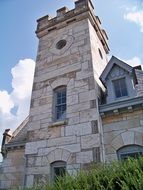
column 115, row 61
column 15, row 145
column 127, row 103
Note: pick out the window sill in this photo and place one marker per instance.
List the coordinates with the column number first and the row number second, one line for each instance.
column 121, row 98
column 58, row 123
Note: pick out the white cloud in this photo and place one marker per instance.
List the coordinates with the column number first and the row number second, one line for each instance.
column 6, row 103
column 136, row 17
column 22, row 80
column 135, row 61
column 133, row 8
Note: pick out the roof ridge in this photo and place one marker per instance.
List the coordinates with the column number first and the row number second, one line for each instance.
column 20, row 127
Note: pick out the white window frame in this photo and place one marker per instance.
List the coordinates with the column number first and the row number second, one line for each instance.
column 128, row 151
column 57, row 165
column 62, row 105
column 119, row 79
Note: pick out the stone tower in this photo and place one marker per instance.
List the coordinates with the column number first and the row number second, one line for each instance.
column 65, row 131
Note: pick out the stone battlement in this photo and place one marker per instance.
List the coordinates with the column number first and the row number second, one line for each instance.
column 83, row 9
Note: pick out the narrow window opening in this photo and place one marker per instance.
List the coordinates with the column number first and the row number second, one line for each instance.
column 100, row 53
column 94, row 125
column 60, row 103
column 93, row 104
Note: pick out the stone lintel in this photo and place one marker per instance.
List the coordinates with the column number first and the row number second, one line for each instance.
column 58, row 123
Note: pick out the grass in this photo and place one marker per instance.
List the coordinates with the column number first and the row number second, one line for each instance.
column 127, row 175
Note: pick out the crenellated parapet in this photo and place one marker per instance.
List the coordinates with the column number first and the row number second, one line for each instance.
column 84, row 9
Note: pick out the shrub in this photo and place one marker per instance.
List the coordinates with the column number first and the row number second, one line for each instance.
column 126, row 175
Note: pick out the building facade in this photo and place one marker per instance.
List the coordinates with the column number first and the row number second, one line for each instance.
column 122, row 112
column 83, row 109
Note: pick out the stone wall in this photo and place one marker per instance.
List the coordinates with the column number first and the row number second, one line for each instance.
column 12, row 169
column 121, row 130
column 139, row 86
column 77, row 140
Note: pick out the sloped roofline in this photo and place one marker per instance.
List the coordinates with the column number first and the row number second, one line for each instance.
column 115, row 61
column 21, row 126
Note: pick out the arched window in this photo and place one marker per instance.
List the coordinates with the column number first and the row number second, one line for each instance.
column 60, row 103
column 58, row 169
column 133, row 151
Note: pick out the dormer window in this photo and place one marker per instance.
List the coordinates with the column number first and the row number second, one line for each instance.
column 120, row 88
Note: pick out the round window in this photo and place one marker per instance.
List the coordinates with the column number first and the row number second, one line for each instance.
column 60, row 44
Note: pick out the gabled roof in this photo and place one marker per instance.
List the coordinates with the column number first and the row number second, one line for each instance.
column 20, row 134
column 115, row 61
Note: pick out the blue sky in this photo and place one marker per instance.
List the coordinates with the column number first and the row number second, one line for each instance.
column 122, row 20
column 18, row 24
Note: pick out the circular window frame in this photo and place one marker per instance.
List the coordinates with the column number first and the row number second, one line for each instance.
column 61, row 44
column 69, row 41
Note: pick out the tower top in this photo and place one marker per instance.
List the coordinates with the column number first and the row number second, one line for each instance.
column 81, row 3
column 84, row 9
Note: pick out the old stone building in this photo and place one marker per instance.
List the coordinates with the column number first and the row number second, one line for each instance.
column 84, row 109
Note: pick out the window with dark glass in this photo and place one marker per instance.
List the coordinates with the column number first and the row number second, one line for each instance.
column 58, row 169
column 131, row 151
column 60, row 103
column 120, row 87
column 61, row 44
